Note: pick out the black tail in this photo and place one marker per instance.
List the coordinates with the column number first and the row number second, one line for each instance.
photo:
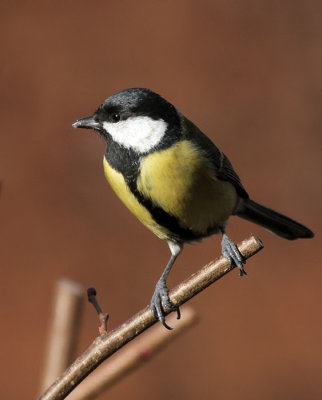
column 272, row 220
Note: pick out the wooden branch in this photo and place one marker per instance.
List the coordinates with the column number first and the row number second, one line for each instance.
column 105, row 346
column 66, row 315
column 132, row 356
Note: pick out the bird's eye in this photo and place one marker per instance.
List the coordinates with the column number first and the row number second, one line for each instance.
column 116, row 117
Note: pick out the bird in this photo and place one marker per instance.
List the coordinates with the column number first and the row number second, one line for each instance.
column 175, row 180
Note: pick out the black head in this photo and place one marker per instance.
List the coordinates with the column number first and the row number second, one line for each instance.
column 136, row 102
column 128, row 103
column 135, row 118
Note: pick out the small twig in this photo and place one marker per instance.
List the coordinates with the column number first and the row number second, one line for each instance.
column 105, row 346
column 103, row 317
column 64, row 329
column 137, row 353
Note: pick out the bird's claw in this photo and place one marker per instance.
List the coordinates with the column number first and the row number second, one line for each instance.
column 161, row 301
column 233, row 255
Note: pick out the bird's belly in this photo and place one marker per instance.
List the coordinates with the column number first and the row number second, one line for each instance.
column 184, row 185
column 118, row 184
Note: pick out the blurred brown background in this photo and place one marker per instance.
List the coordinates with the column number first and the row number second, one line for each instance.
column 249, row 74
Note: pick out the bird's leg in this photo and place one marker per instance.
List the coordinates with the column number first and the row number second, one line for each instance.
column 161, row 293
column 231, row 252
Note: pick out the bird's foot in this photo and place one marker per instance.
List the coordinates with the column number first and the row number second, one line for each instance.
column 231, row 252
column 161, row 295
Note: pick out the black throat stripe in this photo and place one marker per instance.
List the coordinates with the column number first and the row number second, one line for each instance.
column 127, row 162
column 128, row 166
column 170, row 222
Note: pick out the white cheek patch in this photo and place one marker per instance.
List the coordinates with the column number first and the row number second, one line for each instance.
column 139, row 133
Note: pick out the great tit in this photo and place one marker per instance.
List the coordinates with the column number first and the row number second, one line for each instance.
column 174, row 179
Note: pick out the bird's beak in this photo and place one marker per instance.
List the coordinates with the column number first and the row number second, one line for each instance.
column 87, row 123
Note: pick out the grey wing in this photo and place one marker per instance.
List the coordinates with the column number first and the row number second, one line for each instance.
column 222, row 166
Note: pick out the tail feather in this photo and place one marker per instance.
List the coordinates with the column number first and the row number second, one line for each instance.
column 279, row 224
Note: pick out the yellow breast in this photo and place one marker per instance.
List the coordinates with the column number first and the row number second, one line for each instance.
column 183, row 184
column 121, row 189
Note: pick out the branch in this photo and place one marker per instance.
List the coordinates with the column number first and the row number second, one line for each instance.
column 66, row 315
column 132, row 356
column 104, row 346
